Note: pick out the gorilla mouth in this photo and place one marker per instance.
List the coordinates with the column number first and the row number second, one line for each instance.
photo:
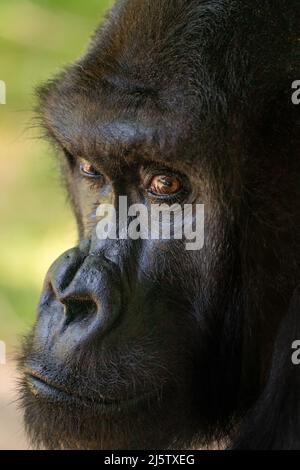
column 45, row 390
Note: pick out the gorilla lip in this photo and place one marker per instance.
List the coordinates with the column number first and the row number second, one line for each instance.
column 40, row 387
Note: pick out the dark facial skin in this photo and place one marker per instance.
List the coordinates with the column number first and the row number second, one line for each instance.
column 141, row 344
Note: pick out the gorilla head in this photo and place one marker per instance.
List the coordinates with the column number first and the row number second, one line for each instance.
column 142, row 343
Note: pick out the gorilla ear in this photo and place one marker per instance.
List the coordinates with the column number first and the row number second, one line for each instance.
column 278, row 407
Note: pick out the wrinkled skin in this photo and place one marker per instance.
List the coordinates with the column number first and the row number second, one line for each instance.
column 142, row 343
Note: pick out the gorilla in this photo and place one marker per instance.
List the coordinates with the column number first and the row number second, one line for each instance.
column 141, row 343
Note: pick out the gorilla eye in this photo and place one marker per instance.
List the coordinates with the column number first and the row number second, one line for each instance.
column 88, row 170
column 164, row 185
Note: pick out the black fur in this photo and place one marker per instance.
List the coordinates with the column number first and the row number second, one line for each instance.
column 202, row 88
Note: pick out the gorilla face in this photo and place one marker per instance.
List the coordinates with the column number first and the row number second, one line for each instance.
column 143, row 343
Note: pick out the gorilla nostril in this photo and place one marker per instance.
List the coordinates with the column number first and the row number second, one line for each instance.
column 79, row 309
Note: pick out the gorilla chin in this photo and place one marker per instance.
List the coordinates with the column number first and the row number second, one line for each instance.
column 60, row 422
column 79, row 407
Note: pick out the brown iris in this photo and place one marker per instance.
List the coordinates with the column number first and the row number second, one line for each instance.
column 163, row 185
column 88, row 170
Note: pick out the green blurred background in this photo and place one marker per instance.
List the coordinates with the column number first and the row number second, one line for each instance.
column 37, row 38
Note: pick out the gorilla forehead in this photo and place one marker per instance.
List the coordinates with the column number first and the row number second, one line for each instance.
column 159, row 76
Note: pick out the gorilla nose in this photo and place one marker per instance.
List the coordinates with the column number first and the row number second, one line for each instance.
column 76, row 308
column 87, row 287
